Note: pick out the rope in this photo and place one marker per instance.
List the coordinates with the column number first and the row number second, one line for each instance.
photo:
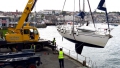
column 63, row 5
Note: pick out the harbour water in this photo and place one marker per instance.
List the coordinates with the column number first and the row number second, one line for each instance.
column 108, row 57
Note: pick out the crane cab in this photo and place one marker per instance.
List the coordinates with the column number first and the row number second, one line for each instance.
column 30, row 33
column 27, row 33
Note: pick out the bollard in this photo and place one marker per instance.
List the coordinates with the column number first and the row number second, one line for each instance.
column 84, row 63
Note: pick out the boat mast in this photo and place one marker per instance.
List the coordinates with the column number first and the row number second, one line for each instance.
column 84, row 9
column 73, row 20
column 73, row 16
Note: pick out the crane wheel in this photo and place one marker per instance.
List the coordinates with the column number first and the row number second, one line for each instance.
column 39, row 47
column 32, row 66
column 27, row 46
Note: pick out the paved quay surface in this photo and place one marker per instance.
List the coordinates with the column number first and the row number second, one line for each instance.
column 50, row 60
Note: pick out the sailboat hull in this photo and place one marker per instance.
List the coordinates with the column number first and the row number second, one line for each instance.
column 89, row 39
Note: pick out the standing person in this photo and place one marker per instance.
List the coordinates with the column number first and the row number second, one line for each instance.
column 33, row 47
column 54, row 41
column 54, row 44
column 61, row 58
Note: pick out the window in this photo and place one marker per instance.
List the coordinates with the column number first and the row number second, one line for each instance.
column 26, row 31
column 3, row 18
column 35, row 32
column 3, row 24
column 31, row 30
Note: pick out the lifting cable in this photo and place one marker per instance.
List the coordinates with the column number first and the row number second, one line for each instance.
column 62, row 13
column 63, row 5
column 73, row 20
column 35, row 16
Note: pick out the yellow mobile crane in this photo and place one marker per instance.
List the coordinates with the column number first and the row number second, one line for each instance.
column 22, row 33
column 23, row 36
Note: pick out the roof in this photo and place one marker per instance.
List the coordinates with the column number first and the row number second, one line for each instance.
column 4, row 16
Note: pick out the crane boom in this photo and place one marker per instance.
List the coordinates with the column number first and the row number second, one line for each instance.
column 24, row 17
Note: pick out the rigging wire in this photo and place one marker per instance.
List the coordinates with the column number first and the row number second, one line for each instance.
column 108, row 22
column 91, row 13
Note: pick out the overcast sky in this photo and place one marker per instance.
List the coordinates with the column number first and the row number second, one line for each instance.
column 12, row 5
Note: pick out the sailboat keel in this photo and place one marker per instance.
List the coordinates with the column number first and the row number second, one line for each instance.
column 78, row 48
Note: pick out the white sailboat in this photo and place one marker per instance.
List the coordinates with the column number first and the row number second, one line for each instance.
column 86, row 35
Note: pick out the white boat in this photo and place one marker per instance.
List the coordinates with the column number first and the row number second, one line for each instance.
column 86, row 35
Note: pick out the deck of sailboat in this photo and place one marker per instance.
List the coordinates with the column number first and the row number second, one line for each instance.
column 50, row 60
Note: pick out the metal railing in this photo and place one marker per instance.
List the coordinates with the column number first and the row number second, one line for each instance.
column 80, row 58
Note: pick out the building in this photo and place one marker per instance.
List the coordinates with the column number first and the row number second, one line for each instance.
column 4, row 21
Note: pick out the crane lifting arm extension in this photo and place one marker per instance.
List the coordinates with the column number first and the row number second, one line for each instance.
column 24, row 17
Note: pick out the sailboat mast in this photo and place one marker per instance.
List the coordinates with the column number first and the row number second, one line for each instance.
column 73, row 19
column 73, row 15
